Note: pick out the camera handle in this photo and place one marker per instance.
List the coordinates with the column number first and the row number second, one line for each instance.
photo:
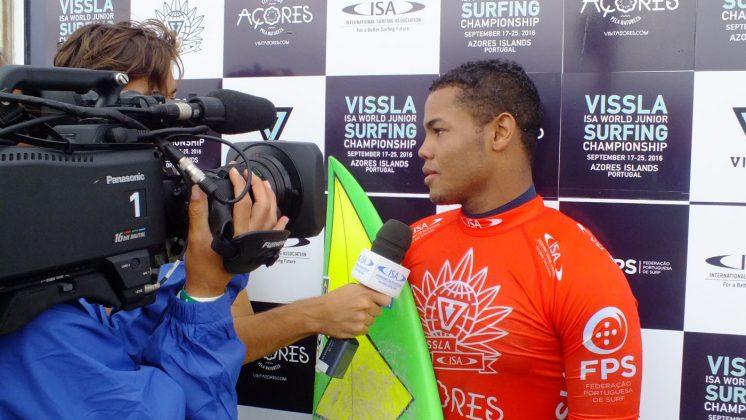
column 246, row 252
column 125, row 281
column 108, row 84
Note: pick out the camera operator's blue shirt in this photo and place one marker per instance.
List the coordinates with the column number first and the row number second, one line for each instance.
column 168, row 360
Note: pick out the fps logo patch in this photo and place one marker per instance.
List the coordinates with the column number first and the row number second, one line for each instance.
column 185, row 22
column 606, row 331
column 605, row 334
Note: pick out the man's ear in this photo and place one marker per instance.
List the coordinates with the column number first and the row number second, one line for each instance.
column 503, row 128
column 139, row 84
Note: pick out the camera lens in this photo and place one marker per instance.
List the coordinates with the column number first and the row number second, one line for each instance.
column 295, row 171
column 273, row 165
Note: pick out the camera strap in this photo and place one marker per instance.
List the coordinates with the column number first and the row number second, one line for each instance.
column 247, row 252
column 11, row 114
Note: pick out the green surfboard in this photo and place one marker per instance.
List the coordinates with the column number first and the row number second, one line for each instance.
column 391, row 375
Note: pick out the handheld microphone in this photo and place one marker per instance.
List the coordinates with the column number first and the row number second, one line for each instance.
column 223, row 110
column 379, row 270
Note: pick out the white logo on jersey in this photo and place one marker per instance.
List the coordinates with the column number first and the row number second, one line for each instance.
column 460, row 319
column 480, row 223
column 591, row 236
column 554, row 250
column 425, row 227
column 606, row 331
column 450, row 311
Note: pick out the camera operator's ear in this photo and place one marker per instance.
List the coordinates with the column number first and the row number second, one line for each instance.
column 139, row 84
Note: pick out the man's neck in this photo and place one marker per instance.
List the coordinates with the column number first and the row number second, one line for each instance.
column 503, row 189
column 523, row 198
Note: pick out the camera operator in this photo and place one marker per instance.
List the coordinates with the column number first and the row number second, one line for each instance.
column 171, row 359
column 148, row 53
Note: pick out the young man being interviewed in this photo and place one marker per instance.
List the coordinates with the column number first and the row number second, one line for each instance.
column 526, row 314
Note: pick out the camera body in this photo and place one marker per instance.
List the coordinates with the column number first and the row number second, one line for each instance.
column 63, row 210
column 98, row 222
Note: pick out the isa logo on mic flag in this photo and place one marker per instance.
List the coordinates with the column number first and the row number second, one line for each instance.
column 379, row 273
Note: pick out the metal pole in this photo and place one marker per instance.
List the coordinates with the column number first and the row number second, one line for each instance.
column 6, row 31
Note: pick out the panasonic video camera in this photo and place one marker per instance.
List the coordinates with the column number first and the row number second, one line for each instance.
column 90, row 208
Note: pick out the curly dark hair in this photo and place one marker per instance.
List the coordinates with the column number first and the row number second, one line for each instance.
column 140, row 49
column 491, row 87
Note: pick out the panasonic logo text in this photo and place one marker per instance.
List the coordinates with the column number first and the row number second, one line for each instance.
column 124, row 179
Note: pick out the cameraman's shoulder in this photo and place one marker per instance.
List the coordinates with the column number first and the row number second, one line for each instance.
column 58, row 323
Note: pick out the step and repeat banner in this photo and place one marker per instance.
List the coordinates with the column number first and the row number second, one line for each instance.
column 644, row 142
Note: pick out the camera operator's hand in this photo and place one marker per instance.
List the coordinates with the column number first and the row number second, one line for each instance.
column 205, row 274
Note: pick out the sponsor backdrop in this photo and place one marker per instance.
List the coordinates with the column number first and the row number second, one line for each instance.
column 644, row 143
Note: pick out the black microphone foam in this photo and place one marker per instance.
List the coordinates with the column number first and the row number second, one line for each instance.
column 244, row 112
column 392, row 240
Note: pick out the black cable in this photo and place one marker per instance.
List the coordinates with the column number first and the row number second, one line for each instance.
column 69, row 147
column 79, row 111
column 171, row 131
column 240, row 153
column 30, row 123
column 59, row 142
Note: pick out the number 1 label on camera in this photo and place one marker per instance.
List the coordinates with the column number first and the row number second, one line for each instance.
column 137, row 201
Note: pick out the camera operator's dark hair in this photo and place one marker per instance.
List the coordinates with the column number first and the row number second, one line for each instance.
column 490, row 87
column 140, row 49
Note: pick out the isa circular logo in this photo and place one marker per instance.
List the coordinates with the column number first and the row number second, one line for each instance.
column 365, row 261
column 606, row 331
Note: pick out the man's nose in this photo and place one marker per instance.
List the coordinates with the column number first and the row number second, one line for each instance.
column 424, row 151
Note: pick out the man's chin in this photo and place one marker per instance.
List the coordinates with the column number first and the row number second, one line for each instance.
column 440, row 199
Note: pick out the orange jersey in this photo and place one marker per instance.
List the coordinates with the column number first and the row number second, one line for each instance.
column 526, row 316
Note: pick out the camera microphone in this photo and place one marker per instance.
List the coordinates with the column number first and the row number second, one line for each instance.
column 379, row 270
column 223, row 110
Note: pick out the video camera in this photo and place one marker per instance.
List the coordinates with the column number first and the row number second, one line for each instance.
column 90, row 206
